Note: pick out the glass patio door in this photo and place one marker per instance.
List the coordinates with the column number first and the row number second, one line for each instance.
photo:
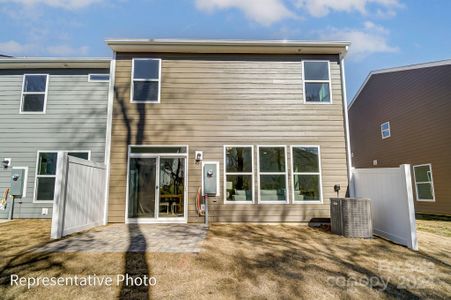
column 156, row 188
column 142, row 197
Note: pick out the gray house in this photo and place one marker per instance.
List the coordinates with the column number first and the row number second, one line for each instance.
column 49, row 105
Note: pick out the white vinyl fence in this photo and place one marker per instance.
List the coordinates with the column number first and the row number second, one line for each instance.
column 391, row 194
column 79, row 195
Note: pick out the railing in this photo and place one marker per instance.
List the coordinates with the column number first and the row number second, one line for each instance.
column 79, row 195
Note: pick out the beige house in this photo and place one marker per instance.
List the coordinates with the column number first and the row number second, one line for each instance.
column 269, row 114
column 403, row 116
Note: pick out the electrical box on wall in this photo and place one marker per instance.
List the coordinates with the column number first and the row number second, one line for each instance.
column 210, row 178
column 17, row 182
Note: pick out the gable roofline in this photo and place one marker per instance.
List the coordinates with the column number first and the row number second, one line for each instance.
column 398, row 69
column 55, row 63
column 229, row 46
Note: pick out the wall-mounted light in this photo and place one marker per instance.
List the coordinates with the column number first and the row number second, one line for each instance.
column 199, row 156
column 6, row 162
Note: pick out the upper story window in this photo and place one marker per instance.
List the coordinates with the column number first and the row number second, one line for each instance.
column 385, row 130
column 98, row 77
column 34, row 93
column 317, row 82
column 146, row 74
column 272, row 174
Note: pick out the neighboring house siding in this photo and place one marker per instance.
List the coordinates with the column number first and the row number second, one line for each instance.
column 418, row 105
column 75, row 119
column 208, row 101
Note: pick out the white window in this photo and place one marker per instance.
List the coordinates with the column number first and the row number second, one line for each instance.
column 98, row 77
column 272, row 174
column 306, row 174
column 146, row 85
column 317, row 86
column 239, row 174
column 385, row 130
column 424, row 183
column 34, row 93
column 46, row 173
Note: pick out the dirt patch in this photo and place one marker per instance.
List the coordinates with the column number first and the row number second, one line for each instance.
column 237, row 261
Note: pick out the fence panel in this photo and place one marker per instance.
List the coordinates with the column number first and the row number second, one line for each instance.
column 79, row 195
column 390, row 191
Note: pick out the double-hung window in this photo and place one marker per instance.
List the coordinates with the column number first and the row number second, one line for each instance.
column 306, row 174
column 317, row 82
column 34, row 93
column 424, row 183
column 146, row 83
column 385, row 130
column 238, row 171
column 46, row 173
column 272, row 174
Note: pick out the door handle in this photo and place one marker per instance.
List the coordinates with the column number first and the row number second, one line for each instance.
column 156, row 187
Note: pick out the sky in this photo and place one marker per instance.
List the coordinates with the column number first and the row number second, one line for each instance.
column 383, row 33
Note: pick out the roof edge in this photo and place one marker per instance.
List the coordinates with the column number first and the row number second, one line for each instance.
column 398, row 69
column 227, row 46
column 54, row 62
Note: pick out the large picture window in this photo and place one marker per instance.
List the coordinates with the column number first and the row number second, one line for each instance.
column 306, row 174
column 34, row 93
column 46, row 173
column 272, row 174
column 238, row 179
column 317, row 82
column 424, row 183
column 146, row 85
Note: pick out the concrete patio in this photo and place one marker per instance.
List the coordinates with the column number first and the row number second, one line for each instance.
column 176, row 238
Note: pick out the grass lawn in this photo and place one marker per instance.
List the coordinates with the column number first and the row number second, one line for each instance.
column 239, row 261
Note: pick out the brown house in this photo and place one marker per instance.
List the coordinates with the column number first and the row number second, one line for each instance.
column 268, row 114
column 403, row 116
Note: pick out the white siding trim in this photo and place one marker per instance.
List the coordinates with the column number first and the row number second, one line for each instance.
column 108, row 136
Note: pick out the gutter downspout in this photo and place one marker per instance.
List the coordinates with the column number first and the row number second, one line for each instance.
column 108, row 136
column 346, row 119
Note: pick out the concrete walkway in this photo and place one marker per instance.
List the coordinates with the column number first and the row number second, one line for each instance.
column 133, row 238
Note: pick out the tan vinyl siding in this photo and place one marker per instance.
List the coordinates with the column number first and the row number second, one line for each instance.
column 208, row 101
column 418, row 105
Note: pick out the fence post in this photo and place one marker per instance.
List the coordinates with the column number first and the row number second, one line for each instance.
column 60, row 196
column 407, row 179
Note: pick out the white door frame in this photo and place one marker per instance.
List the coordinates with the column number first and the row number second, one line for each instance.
column 157, row 219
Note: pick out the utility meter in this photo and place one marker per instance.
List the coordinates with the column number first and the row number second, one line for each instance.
column 210, row 178
column 17, row 182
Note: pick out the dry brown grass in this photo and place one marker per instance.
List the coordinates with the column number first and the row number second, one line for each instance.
column 238, row 261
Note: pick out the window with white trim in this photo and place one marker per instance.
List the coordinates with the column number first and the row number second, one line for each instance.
column 272, row 174
column 46, row 173
column 424, row 183
column 146, row 85
column 239, row 178
column 34, row 93
column 385, row 130
column 317, row 82
column 306, row 173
